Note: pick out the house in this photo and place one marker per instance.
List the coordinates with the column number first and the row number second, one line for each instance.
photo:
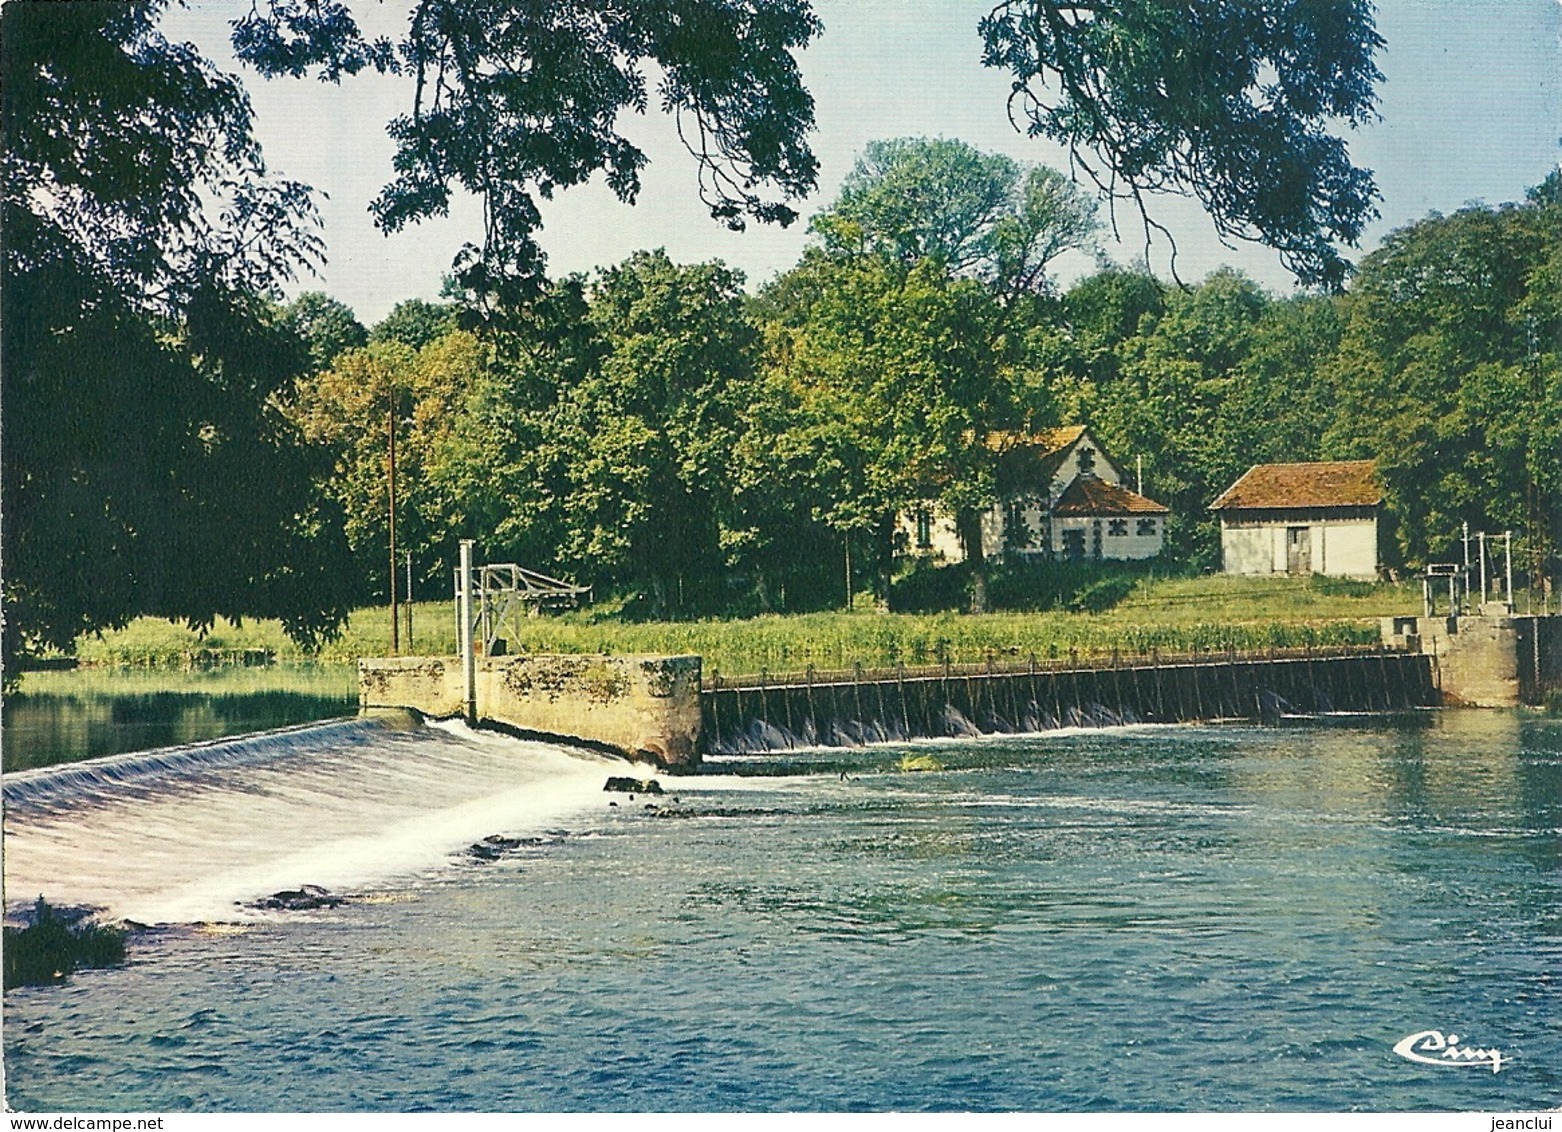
column 1317, row 518
column 1060, row 496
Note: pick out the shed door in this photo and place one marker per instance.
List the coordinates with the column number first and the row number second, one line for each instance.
column 1298, row 550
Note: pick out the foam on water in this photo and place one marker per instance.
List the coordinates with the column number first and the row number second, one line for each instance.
column 194, row 834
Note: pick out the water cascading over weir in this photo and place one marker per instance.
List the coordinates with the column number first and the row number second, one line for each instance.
column 763, row 713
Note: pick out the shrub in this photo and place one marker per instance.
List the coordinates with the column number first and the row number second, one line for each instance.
column 54, row 945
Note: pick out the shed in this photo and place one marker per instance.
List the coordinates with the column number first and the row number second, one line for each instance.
column 1317, row 518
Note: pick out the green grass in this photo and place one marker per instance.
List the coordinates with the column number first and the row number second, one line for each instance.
column 1172, row 615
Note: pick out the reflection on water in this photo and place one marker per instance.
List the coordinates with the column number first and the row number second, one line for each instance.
column 65, row 716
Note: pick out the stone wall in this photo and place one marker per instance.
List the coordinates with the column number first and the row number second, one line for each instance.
column 642, row 706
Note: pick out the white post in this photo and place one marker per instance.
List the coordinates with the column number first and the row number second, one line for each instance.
column 1507, row 537
column 468, row 657
column 1482, row 537
column 1139, row 477
column 1466, row 541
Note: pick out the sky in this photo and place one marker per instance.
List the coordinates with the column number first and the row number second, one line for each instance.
column 1470, row 111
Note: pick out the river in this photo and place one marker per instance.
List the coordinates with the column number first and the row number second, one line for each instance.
column 1147, row 918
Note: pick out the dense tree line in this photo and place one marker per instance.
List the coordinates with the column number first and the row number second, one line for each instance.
column 178, row 444
column 657, row 433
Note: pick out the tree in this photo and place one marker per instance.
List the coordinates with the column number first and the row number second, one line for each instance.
column 147, row 469
column 651, row 430
column 1231, row 100
column 1448, row 374
column 514, row 101
column 430, row 394
column 325, row 326
column 1174, row 391
column 978, row 214
column 416, row 323
column 898, row 385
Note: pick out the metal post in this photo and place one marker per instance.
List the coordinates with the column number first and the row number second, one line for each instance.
column 1508, row 551
column 1482, row 537
column 1466, row 540
column 468, row 655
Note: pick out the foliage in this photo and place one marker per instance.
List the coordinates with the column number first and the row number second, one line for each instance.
column 325, row 327
column 349, row 410
column 652, row 430
column 977, row 214
column 53, row 946
column 1230, row 100
column 416, row 323
column 1078, row 587
column 1449, row 372
column 516, row 101
column 147, row 469
column 896, row 383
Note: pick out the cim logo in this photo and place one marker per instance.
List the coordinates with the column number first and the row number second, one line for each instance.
column 1432, row 1047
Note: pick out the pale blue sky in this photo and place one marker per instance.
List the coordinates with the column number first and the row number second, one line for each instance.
column 1471, row 110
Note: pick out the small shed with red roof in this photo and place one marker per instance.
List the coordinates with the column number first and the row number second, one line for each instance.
column 1317, row 518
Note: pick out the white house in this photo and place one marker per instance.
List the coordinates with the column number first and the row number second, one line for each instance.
column 1317, row 518
column 1060, row 496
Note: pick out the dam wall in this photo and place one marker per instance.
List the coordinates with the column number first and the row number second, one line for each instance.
column 657, row 709
column 751, row 714
column 644, row 707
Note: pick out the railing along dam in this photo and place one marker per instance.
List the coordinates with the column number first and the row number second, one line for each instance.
column 856, row 706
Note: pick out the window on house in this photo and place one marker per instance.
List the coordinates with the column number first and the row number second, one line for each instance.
column 924, row 530
column 1117, row 527
column 1145, row 527
column 1087, row 461
column 1017, row 532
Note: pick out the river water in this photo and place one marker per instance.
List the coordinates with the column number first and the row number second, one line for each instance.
column 1155, row 918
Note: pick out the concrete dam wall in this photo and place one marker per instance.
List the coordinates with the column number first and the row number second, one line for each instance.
column 645, row 707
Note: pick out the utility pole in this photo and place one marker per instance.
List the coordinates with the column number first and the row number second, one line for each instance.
column 464, row 612
column 409, row 601
column 390, row 475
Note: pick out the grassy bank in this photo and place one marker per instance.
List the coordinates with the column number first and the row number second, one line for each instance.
column 1170, row 615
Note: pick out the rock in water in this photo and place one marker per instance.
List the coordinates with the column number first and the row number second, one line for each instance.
column 625, row 785
column 301, row 899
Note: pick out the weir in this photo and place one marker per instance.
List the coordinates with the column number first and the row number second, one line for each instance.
column 658, row 709
column 766, row 713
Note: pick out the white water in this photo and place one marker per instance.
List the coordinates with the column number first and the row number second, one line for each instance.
column 195, row 834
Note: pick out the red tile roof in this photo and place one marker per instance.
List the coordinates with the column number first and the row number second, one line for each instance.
column 1338, row 483
column 1088, row 495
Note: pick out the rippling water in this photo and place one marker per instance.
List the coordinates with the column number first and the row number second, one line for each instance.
column 1141, row 919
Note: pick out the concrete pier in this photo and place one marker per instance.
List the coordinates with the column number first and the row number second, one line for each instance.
column 644, row 707
column 1495, row 659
